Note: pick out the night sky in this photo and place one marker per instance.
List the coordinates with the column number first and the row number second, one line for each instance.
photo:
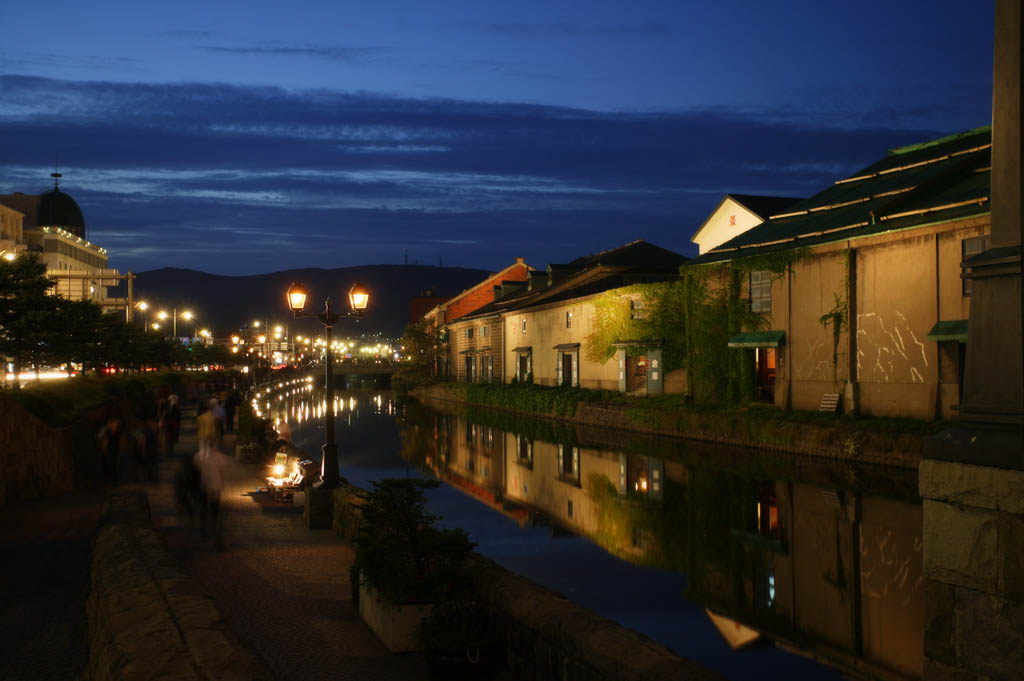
column 246, row 137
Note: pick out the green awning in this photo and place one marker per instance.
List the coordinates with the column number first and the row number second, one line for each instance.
column 757, row 339
column 955, row 330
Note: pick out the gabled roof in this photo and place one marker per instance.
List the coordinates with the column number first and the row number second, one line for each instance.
column 633, row 263
column 761, row 206
column 937, row 181
column 519, row 262
column 764, row 206
column 637, row 253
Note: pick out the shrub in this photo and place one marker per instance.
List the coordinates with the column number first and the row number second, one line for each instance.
column 399, row 551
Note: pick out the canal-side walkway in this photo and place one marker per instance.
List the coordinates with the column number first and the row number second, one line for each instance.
column 283, row 589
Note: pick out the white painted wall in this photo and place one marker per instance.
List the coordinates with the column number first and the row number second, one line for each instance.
column 729, row 220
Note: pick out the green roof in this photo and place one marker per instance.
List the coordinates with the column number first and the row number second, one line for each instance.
column 954, row 330
column 938, row 181
column 757, row 339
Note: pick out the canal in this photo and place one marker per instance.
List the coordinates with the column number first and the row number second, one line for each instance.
column 758, row 565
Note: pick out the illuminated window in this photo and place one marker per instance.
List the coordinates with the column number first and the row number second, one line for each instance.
column 761, row 291
column 764, row 589
column 767, row 510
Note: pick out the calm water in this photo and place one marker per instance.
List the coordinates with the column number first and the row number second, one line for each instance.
column 816, row 557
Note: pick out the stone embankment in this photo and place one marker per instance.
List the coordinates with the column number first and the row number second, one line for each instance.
column 543, row 636
column 147, row 619
column 862, row 445
column 37, row 460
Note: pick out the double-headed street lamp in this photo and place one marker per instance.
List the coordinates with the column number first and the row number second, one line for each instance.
column 186, row 315
column 358, row 298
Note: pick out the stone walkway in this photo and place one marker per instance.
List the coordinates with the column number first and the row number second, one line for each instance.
column 284, row 589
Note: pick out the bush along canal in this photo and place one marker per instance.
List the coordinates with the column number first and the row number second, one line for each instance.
column 758, row 565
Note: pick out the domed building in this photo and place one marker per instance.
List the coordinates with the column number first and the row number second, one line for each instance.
column 52, row 225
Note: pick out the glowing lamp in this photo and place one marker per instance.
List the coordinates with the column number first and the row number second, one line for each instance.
column 297, row 295
column 358, row 297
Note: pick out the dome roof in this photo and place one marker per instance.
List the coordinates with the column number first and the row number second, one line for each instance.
column 57, row 209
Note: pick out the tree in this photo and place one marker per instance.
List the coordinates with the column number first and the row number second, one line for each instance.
column 28, row 314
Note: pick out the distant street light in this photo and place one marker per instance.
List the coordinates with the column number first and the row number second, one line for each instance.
column 358, row 298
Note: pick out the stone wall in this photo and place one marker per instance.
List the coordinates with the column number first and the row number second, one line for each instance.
column 543, row 636
column 147, row 620
column 35, row 459
column 861, row 446
column 974, row 570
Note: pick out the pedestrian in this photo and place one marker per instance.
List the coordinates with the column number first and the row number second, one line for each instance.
column 219, row 419
column 284, row 436
column 206, row 426
column 170, row 425
column 111, row 436
column 231, row 403
column 211, row 463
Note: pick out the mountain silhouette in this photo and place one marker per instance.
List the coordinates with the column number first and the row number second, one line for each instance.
column 224, row 303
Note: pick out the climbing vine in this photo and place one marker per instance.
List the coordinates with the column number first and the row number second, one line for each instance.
column 639, row 312
column 838, row 317
column 693, row 317
column 715, row 309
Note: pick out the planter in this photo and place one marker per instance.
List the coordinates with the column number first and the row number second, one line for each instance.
column 396, row 625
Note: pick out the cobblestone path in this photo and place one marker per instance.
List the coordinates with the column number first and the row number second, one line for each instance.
column 284, row 589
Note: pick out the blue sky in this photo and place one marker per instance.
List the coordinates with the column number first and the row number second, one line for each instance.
column 249, row 137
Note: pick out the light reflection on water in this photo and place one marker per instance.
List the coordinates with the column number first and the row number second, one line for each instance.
column 526, row 502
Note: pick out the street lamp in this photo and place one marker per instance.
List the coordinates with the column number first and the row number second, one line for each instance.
column 358, row 298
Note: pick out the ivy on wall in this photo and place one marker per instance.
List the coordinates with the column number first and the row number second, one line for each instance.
column 837, row 319
column 639, row 312
column 715, row 309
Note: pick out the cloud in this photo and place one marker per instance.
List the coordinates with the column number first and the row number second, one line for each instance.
column 188, row 34
column 571, row 29
column 23, row 61
column 344, row 177
column 331, row 52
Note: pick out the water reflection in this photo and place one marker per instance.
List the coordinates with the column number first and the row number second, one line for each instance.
column 821, row 558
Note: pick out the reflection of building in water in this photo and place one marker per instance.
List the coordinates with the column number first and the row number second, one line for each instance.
column 834, row 575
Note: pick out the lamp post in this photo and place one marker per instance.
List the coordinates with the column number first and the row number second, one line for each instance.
column 358, row 298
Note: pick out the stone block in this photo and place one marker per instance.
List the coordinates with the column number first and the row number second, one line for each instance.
column 1011, row 556
column 990, row 633
column 983, row 486
column 318, row 512
column 940, row 622
column 937, row 671
column 960, row 546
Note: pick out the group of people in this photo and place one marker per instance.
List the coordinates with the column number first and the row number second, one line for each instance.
column 199, row 483
column 131, row 447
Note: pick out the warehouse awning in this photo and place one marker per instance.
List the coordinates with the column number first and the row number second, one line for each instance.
column 953, row 330
column 757, row 339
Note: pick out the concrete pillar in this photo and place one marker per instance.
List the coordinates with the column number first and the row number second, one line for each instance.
column 974, row 514
column 994, row 373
